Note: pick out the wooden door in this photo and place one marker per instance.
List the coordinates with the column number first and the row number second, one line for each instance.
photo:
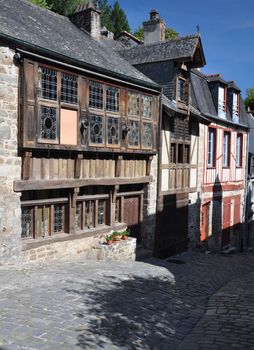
column 131, row 215
column 205, row 222
column 226, row 222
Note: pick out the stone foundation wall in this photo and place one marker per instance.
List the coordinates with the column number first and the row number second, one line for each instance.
column 90, row 248
column 10, row 163
column 150, row 200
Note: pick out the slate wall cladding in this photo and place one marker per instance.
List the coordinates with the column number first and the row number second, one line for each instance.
column 10, row 163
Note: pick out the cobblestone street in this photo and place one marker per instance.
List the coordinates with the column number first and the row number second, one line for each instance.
column 205, row 302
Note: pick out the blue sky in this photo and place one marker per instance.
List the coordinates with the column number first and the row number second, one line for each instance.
column 226, row 27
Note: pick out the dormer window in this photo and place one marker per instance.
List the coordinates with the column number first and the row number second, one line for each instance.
column 236, row 104
column 222, row 102
column 183, row 88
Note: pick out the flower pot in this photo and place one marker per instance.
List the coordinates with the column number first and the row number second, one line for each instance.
column 117, row 238
column 109, row 242
column 124, row 237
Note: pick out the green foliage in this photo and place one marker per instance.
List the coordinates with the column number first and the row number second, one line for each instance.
column 170, row 33
column 119, row 20
column 65, row 7
column 249, row 101
column 41, row 3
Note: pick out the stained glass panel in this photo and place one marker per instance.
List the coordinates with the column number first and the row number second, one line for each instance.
column 69, row 88
column 48, row 123
column 95, row 95
column 58, row 218
column 96, row 129
column 26, row 223
column 146, row 107
column 147, row 139
column 47, row 83
column 133, row 103
column 113, row 131
column 101, row 212
column 112, row 99
column 134, row 133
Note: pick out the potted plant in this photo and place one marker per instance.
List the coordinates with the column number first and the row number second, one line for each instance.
column 125, row 234
column 109, row 239
column 117, row 236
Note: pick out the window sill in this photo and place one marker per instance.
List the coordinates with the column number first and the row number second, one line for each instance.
column 30, row 243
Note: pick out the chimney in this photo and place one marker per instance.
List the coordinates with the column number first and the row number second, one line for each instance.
column 154, row 29
column 88, row 17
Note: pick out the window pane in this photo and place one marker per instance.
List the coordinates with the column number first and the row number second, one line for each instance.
column 173, row 153
column 112, row 99
column 47, row 123
column 133, row 103
column 113, row 131
column 96, row 129
column 226, row 149
column 239, row 150
column 186, row 154
column 58, row 218
column 78, row 216
column 69, row 88
column 146, row 107
column 26, row 222
column 134, row 133
column 180, row 153
column 95, row 95
column 211, row 147
column 47, row 83
column 101, row 212
column 235, row 104
column 147, row 135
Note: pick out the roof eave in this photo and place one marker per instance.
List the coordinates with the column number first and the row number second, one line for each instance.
column 20, row 44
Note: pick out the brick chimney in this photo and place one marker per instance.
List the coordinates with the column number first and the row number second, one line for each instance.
column 87, row 17
column 154, row 29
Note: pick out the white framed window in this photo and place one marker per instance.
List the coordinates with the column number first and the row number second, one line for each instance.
column 239, row 147
column 226, row 149
column 222, row 103
column 211, row 147
column 236, row 106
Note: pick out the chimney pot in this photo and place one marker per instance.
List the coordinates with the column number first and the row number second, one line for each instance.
column 154, row 14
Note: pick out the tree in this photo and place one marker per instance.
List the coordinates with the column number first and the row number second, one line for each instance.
column 41, row 3
column 119, row 20
column 170, row 33
column 64, row 7
column 249, row 101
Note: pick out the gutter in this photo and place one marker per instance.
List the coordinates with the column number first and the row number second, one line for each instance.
column 225, row 121
column 21, row 46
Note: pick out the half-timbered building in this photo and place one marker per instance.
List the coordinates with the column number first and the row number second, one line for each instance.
column 223, row 152
column 78, row 127
column 169, row 63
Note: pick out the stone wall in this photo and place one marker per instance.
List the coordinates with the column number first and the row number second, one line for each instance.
column 150, row 200
column 10, row 163
column 90, row 248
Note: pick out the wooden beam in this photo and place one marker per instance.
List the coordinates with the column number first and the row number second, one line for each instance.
column 148, row 165
column 21, row 185
column 26, row 165
column 77, row 166
column 118, row 166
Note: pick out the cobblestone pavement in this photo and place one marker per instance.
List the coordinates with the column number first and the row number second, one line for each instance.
column 206, row 302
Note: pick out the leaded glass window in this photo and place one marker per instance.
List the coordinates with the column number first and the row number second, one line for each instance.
column 146, row 107
column 134, row 133
column 58, row 218
column 96, row 129
column 26, row 222
column 187, row 154
column 95, row 94
column 113, row 131
column 112, row 99
column 133, row 103
column 47, row 123
column 69, row 88
column 47, row 83
column 78, row 215
column 172, row 153
column 101, row 212
column 147, row 135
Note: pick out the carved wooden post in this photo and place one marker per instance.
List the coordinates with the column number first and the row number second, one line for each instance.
column 77, row 169
column 148, row 165
column 113, row 194
column 118, row 166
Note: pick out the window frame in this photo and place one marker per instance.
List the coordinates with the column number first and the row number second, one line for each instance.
column 236, row 108
column 213, row 164
column 239, row 164
column 228, row 151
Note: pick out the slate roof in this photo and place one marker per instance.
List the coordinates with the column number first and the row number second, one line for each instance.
column 33, row 28
column 203, row 101
column 179, row 48
column 251, row 136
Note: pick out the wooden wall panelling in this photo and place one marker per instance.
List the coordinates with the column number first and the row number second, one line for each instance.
column 119, row 167
column 77, row 166
column 26, row 164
